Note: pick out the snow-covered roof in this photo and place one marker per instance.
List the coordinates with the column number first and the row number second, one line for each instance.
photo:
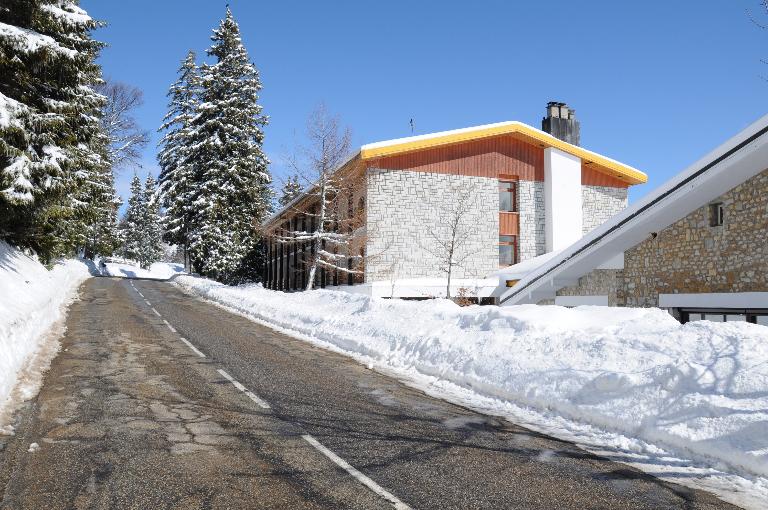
column 520, row 130
column 740, row 158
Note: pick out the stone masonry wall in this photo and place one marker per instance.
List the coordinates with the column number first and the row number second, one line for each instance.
column 690, row 256
column 530, row 200
column 404, row 206
column 600, row 282
column 599, row 203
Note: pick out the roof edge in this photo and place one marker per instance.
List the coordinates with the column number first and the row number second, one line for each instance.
column 612, row 167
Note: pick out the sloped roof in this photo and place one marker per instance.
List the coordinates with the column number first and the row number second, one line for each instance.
column 516, row 129
column 740, row 158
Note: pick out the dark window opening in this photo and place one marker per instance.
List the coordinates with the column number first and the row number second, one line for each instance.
column 716, row 214
column 507, row 196
column 507, row 250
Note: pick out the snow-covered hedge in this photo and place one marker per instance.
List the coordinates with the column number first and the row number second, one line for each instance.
column 32, row 300
column 700, row 389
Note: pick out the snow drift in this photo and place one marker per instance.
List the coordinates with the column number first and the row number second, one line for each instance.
column 700, row 389
column 129, row 269
column 32, row 300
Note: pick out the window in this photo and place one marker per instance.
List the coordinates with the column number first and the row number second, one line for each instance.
column 716, row 214
column 508, row 196
column 507, row 250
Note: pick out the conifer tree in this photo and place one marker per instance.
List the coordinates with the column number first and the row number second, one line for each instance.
column 231, row 192
column 50, row 141
column 177, row 175
column 291, row 189
column 150, row 245
column 131, row 226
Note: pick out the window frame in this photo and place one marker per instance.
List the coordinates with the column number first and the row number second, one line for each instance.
column 716, row 214
column 514, row 244
column 508, row 186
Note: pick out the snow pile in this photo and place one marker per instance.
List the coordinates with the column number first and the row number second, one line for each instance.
column 32, row 300
column 699, row 389
column 129, row 269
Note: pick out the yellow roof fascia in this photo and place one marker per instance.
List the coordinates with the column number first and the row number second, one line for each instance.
column 532, row 135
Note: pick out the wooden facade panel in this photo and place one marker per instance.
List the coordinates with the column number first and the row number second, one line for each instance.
column 492, row 157
column 509, row 223
column 592, row 177
column 481, row 158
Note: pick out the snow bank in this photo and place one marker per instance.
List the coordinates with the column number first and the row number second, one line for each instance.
column 128, row 269
column 699, row 389
column 32, row 300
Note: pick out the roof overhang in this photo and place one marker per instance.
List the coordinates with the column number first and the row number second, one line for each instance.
column 518, row 130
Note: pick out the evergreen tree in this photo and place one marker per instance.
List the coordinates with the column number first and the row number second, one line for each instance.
column 291, row 189
column 150, row 245
column 177, row 175
column 231, row 189
column 131, row 226
column 51, row 146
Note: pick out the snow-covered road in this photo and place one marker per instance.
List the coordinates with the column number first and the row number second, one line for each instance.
column 212, row 409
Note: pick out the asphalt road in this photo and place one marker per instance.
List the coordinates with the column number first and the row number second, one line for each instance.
column 161, row 400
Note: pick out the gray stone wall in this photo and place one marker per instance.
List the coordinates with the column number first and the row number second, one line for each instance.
column 404, row 206
column 599, row 203
column 600, row 282
column 530, row 200
column 690, row 256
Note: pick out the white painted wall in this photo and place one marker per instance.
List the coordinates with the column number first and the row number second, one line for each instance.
column 715, row 300
column 562, row 199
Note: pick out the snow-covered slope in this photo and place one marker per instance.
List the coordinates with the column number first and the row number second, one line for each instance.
column 32, row 300
column 633, row 380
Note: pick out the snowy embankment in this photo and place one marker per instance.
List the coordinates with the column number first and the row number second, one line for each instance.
column 657, row 387
column 129, row 269
column 32, row 300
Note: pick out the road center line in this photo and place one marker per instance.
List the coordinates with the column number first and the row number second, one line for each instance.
column 156, row 312
column 355, row 473
column 245, row 390
column 169, row 326
column 194, row 349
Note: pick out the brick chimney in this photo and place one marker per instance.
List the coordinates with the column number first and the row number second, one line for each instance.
column 561, row 122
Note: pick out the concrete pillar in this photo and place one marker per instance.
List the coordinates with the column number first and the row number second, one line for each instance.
column 562, row 199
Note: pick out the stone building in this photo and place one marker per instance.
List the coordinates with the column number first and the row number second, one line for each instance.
column 524, row 193
column 697, row 246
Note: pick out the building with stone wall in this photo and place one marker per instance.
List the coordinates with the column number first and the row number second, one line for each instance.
column 698, row 246
column 524, row 192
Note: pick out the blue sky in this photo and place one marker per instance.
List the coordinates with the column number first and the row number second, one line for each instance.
column 656, row 84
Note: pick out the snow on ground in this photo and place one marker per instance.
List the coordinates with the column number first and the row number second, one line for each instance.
column 688, row 403
column 129, row 269
column 33, row 301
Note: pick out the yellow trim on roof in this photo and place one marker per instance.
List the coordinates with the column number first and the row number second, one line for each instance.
column 532, row 135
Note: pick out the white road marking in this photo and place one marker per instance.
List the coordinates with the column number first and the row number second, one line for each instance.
column 140, row 294
column 355, row 473
column 245, row 390
column 156, row 312
column 169, row 326
column 147, row 302
column 194, row 349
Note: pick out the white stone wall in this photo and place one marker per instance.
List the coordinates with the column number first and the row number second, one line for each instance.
column 530, row 200
column 403, row 206
column 599, row 203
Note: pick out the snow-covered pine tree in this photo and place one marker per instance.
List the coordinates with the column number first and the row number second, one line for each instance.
column 50, row 144
column 150, row 245
column 232, row 190
column 132, row 225
column 177, row 174
column 291, row 189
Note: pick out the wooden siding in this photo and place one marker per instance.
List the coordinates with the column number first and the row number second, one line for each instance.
column 509, row 223
column 501, row 156
column 482, row 158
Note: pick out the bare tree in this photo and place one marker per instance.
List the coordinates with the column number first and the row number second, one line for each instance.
column 336, row 239
column 126, row 138
column 450, row 238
